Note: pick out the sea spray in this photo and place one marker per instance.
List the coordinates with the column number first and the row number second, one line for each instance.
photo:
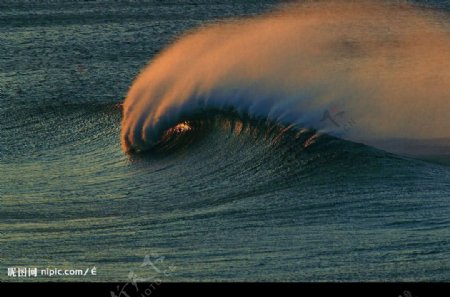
column 385, row 65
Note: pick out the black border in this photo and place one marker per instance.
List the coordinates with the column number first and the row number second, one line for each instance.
column 405, row 289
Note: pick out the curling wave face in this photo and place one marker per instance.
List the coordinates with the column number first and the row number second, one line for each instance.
column 360, row 71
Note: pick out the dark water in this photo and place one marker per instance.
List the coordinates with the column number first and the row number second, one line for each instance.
column 234, row 199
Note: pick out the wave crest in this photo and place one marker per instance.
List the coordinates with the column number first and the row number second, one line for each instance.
column 360, row 71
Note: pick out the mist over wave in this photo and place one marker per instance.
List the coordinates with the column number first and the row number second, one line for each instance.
column 382, row 68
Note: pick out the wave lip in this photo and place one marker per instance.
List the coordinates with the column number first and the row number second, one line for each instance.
column 359, row 71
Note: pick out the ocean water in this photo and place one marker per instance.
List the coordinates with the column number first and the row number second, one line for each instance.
column 100, row 168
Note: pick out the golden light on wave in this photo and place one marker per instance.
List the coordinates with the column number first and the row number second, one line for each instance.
column 176, row 130
column 386, row 64
column 180, row 128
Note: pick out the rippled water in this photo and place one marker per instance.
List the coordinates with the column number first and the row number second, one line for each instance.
column 235, row 200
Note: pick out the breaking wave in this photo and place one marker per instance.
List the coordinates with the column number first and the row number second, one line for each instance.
column 364, row 72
